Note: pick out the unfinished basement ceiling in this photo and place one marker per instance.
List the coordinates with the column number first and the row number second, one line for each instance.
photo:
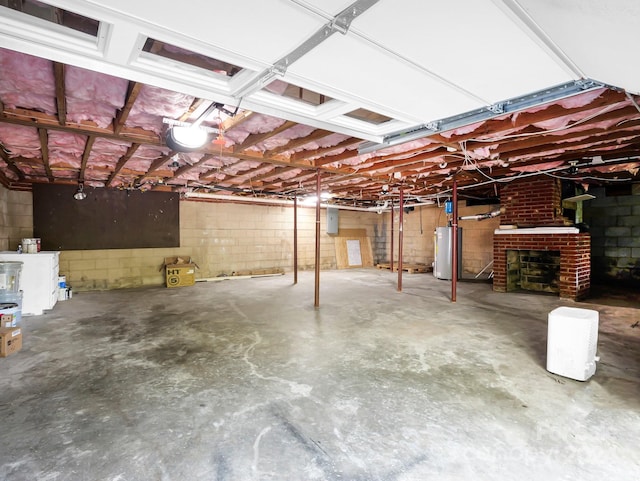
column 372, row 95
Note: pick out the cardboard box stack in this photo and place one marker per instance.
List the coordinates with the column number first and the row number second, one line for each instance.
column 179, row 271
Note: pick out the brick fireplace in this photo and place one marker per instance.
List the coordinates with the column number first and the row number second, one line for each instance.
column 533, row 227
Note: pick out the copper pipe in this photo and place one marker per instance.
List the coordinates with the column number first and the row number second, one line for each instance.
column 400, row 237
column 316, row 301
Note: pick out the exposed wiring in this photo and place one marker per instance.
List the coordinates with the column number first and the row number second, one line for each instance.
column 586, row 177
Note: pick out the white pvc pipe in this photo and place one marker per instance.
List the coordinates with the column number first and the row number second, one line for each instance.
column 263, row 200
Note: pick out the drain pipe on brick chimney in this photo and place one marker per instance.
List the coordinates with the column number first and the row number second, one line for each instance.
column 488, row 215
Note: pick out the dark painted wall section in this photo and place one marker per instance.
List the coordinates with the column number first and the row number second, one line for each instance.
column 106, row 219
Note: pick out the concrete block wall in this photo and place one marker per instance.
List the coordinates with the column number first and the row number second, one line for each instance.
column 477, row 239
column 16, row 218
column 418, row 233
column 222, row 238
column 614, row 224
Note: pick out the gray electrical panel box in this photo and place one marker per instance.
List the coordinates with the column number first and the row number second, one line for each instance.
column 332, row 220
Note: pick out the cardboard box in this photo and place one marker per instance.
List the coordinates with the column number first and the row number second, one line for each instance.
column 179, row 271
column 10, row 340
column 9, row 319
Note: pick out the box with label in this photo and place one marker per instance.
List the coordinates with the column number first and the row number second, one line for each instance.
column 10, row 340
column 179, row 271
column 8, row 320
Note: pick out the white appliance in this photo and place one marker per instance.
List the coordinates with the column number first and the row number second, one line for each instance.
column 443, row 248
column 38, row 279
column 572, row 341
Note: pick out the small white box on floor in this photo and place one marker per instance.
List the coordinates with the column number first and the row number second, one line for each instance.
column 572, row 341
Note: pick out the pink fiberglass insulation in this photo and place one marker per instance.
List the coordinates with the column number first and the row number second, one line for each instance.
column 154, row 103
column 631, row 167
column 93, row 96
column 485, row 164
column 325, row 142
column 144, row 156
column 32, row 169
column 481, row 153
column 241, row 167
column 400, row 148
column 261, row 171
column 603, row 125
column 539, row 167
column 9, row 174
column 64, row 173
column 65, row 149
column 466, row 129
column 216, row 177
column 256, row 124
column 575, row 101
column 106, row 152
column 27, row 82
column 95, row 179
column 192, row 174
column 283, row 138
column 20, row 141
column 289, row 174
column 570, row 119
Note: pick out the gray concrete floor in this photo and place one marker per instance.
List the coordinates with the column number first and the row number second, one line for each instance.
column 245, row 380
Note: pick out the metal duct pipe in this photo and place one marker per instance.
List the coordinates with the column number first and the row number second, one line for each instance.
column 488, row 215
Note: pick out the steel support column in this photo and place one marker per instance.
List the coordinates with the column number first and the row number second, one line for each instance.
column 400, row 237
column 454, row 242
column 295, row 240
column 316, row 301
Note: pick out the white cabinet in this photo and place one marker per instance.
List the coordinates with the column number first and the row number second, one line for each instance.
column 38, row 279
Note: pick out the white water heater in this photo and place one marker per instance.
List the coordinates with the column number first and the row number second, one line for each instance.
column 572, row 341
column 443, row 245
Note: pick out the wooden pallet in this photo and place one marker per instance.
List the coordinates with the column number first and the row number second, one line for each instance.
column 410, row 268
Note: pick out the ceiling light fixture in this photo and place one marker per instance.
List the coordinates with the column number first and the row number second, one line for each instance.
column 80, row 193
column 185, row 137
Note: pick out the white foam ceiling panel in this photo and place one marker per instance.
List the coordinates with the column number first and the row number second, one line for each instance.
column 599, row 37
column 415, row 61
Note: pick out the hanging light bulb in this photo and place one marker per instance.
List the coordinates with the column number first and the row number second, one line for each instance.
column 80, row 193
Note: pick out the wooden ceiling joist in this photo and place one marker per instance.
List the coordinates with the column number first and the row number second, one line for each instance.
column 121, row 117
column 85, row 157
column 121, row 163
column 44, row 148
column 61, row 99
